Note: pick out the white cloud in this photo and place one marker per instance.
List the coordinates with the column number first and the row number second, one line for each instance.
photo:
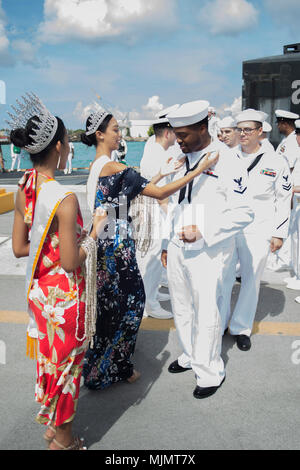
column 233, row 109
column 26, row 52
column 285, row 13
column 82, row 112
column 4, row 42
column 153, row 106
column 228, row 17
column 5, row 57
column 98, row 20
column 147, row 111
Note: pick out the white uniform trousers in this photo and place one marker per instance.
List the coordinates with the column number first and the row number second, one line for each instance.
column 231, row 271
column 151, row 270
column 15, row 159
column 68, row 168
column 150, row 265
column 295, row 240
column 252, row 251
column 195, row 284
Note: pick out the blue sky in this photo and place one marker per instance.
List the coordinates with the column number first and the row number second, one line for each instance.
column 137, row 55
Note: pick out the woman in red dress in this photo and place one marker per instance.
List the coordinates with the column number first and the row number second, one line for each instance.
column 56, row 286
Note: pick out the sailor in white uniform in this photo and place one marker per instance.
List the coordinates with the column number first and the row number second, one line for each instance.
column 154, row 157
column 174, row 150
column 289, row 149
column 16, row 154
column 228, row 129
column 295, row 228
column 213, row 123
column 120, row 154
column 68, row 169
column 198, row 246
column 269, row 184
column 231, row 138
column 264, row 141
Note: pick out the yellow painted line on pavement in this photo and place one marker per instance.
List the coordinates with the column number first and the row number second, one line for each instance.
column 11, row 316
column 152, row 324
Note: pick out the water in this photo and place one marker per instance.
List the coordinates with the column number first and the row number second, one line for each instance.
column 83, row 155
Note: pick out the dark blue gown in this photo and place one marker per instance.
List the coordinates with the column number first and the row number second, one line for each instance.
column 120, row 289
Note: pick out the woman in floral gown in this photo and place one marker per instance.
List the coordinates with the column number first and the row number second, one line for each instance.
column 120, row 293
column 56, row 287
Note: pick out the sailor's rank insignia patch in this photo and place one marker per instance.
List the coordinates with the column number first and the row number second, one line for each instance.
column 240, row 189
column 286, row 186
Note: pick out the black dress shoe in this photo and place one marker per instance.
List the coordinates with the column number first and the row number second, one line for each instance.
column 204, row 392
column 243, row 342
column 175, row 368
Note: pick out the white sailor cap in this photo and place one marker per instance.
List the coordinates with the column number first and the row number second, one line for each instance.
column 211, row 109
column 297, row 124
column 251, row 115
column 282, row 114
column 227, row 122
column 267, row 127
column 163, row 113
column 189, row 113
column 161, row 121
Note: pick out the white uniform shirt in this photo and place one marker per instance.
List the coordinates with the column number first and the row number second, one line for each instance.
column 213, row 127
column 269, row 189
column 266, row 145
column 154, row 157
column 218, row 205
column 289, row 148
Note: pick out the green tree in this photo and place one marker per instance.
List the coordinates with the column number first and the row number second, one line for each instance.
column 150, row 131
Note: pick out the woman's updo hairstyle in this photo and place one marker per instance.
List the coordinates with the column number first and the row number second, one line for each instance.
column 21, row 138
column 91, row 139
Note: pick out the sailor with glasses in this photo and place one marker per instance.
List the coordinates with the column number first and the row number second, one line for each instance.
column 270, row 189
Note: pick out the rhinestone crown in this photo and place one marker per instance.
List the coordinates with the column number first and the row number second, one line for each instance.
column 46, row 124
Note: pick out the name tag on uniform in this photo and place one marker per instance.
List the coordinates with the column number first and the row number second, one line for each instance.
column 268, row 172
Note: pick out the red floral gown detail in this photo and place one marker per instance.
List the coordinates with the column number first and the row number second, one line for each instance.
column 53, row 299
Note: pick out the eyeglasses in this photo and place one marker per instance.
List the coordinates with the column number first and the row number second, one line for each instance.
column 246, row 130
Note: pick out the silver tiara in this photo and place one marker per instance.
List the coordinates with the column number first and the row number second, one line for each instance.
column 96, row 119
column 46, row 123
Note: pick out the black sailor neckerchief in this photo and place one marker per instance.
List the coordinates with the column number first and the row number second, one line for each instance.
column 188, row 169
column 255, row 162
column 183, row 190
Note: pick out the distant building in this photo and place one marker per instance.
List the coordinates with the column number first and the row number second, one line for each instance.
column 139, row 128
column 273, row 83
